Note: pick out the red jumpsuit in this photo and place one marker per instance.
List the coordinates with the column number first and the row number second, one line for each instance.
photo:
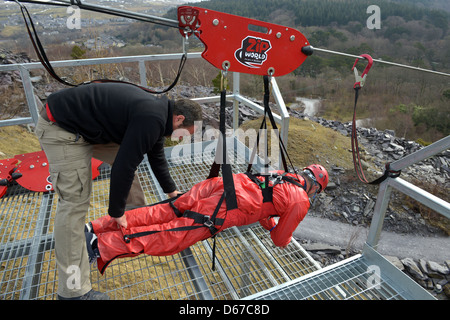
column 290, row 204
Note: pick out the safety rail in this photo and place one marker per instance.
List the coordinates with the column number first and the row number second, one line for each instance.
column 25, row 68
column 424, row 197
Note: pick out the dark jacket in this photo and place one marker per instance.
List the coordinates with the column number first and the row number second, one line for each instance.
column 124, row 114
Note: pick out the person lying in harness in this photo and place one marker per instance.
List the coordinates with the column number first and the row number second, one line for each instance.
column 168, row 228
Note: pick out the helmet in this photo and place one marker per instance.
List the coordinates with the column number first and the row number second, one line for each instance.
column 320, row 173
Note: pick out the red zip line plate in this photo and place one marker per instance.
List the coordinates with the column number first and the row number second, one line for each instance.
column 7, row 167
column 244, row 45
column 35, row 175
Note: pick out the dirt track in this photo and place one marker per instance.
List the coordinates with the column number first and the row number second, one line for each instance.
column 340, row 234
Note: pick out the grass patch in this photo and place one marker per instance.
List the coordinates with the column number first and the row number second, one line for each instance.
column 15, row 140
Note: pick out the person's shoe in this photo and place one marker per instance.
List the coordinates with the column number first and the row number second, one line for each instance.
column 91, row 295
column 88, row 227
column 92, row 248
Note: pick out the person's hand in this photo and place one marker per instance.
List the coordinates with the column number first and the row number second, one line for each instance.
column 173, row 194
column 122, row 221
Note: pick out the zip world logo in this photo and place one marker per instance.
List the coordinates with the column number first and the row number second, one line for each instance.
column 253, row 52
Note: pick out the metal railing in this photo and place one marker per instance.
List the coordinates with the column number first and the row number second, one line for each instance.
column 282, row 119
column 408, row 189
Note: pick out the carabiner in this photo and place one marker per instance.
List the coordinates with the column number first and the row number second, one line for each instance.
column 360, row 80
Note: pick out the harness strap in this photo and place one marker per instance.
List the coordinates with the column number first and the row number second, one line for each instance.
column 228, row 182
column 293, row 181
column 268, row 112
column 168, row 200
column 204, row 220
column 267, row 191
column 201, row 219
column 175, row 210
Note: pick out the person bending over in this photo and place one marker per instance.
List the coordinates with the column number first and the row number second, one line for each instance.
column 117, row 123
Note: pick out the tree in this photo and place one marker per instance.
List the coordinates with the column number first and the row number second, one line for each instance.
column 78, row 53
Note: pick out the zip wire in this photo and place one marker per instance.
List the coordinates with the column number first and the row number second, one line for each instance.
column 382, row 61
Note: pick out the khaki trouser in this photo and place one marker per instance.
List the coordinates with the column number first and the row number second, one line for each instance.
column 69, row 160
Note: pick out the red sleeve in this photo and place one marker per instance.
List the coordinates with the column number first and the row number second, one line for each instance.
column 268, row 210
column 295, row 208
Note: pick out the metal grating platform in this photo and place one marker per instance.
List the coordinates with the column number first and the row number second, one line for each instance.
column 248, row 265
column 367, row 276
column 247, row 260
column 353, row 280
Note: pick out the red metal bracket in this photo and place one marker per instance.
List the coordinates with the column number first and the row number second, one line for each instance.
column 239, row 44
column 7, row 168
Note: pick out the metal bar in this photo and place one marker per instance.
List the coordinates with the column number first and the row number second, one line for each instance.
column 302, row 279
column 35, row 257
column 21, row 248
column 283, row 110
column 210, row 99
column 384, row 193
column 269, row 256
column 142, row 73
column 424, row 197
column 95, row 61
column 29, row 93
column 109, row 10
column 384, row 62
column 196, row 275
column 257, row 107
column 284, row 132
column 428, row 151
column 16, row 121
column 236, row 88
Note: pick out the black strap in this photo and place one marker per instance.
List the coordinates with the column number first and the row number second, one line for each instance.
column 168, row 200
column 269, row 114
column 267, row 191
column 293, row 181
column 388, row 173
column 227, row 173
column 204, row 220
